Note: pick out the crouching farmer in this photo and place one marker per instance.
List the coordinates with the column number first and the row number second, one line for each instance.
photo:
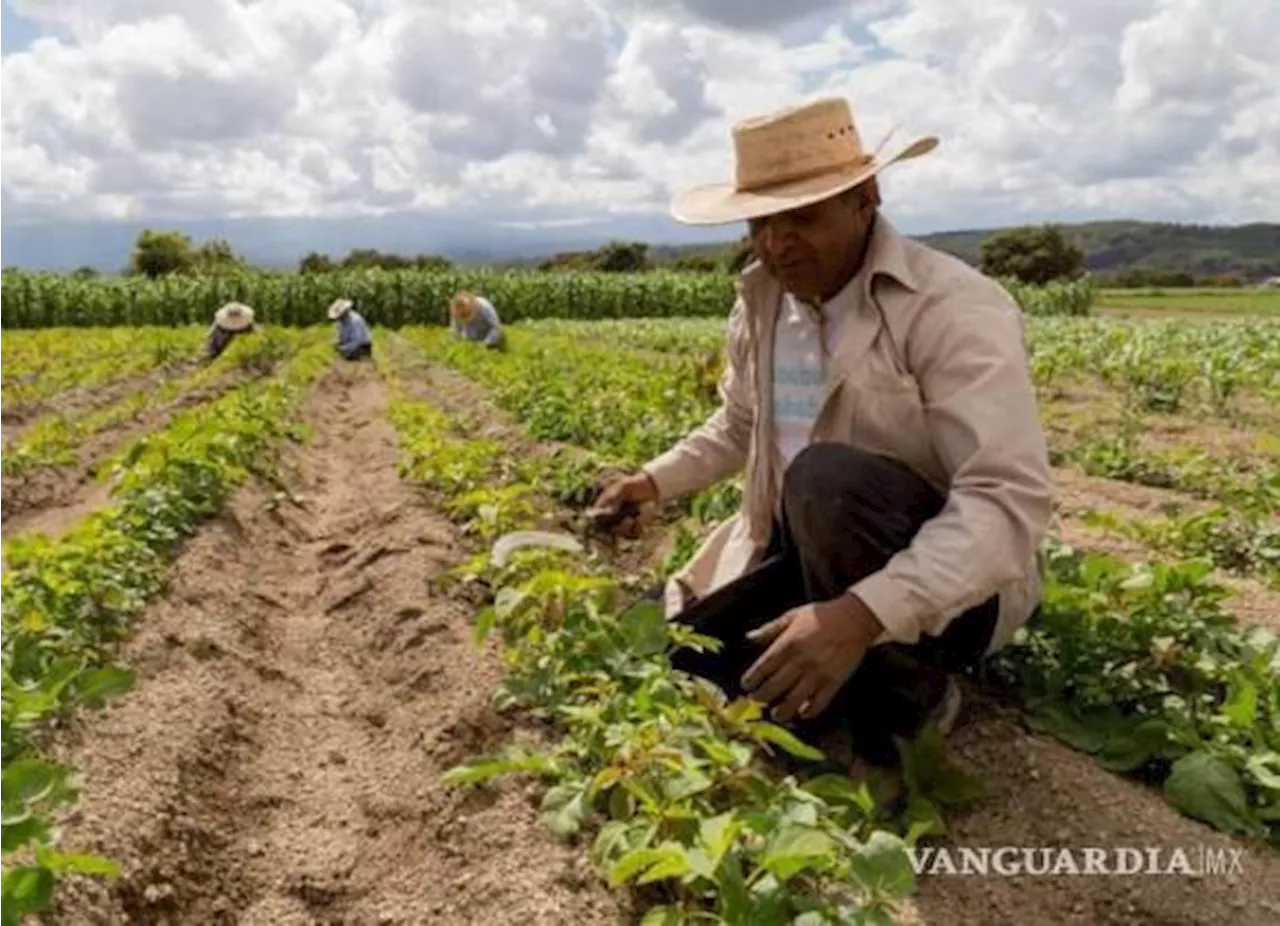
column 473, row 318
column 354, row 340
column 229, row 322
column 897, row 486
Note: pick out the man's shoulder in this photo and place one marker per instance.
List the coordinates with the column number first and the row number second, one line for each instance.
column 944, row 278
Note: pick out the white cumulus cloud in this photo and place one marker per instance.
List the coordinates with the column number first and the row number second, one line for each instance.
column 583, row 108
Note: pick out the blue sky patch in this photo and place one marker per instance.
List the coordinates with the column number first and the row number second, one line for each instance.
column 16, row 32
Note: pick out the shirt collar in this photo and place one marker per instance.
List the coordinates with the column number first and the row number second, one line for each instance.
column 887, row 255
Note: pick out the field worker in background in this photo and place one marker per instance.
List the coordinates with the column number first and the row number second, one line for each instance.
column 231, row 320
column 878, row 400
column 474, row 318
column 354, row 340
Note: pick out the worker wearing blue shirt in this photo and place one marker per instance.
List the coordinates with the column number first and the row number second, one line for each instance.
column 354, row 340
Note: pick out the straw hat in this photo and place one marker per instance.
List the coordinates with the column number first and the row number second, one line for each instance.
column 791, row 158
column 462, row 306
column 234, row 316
column 338, row 308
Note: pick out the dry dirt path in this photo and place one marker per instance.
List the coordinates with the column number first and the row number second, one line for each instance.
column 300, row 693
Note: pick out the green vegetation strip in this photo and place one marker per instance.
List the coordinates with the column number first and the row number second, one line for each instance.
column 39, row 365
column 68, row 602
column 398, row 297
column 1140, row 666
column 52, row 441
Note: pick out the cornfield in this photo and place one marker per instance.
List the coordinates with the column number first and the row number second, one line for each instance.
column 403, row 297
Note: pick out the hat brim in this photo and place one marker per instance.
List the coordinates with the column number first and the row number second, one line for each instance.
column 721, row 204
column 337, row 311
column 234, row 321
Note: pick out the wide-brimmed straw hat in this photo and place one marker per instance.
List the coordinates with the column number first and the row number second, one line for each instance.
column 789, row 159
column 338, row 308
column 234, row 316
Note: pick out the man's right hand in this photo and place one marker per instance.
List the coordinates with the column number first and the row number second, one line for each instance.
column 629, row 492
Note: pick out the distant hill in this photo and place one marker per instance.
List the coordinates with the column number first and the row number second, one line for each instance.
column 1248, row 251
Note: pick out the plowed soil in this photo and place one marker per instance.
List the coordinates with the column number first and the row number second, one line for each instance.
column 300, row 693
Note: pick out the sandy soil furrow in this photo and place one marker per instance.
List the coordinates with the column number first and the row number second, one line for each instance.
column 301, row 691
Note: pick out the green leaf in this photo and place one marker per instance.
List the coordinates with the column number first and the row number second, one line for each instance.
column 564, row 808
column 772, row 733
column 1060, row 722
column 484, row 768
column 838, row 789
column 1208, row 789
column 1129, row 748
column 26, row 781
column 795, row 848
column 73, row 863
column 97, row 686
column 928, row 771
column 1265, row 769
column 644, row 627
column 507, row 600
column 19, row 830
column 922, row 818
column 1241, row 706
column 717, row 835
column 884, row 866
column 689, row 782
column 28, row 889
column 664, row 916
column 484, row 624
column 669, row 859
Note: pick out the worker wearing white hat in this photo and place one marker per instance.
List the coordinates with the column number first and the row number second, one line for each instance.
column 231, row 320
column 354, row 340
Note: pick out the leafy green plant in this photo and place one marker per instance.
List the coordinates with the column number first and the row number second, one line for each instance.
column 1140, row 666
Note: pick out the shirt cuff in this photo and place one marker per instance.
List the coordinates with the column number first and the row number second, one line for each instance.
column 669, row 473
column 885, row 598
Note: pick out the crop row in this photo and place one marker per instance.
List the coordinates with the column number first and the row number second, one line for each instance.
column 68, row 602
column 399, row 297
column 53, row 439
column 1196, row 698
column 41, row 364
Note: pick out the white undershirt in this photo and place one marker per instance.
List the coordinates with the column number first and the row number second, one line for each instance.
column 801, row 353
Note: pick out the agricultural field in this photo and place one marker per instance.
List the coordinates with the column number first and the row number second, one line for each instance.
column 264, row 664
column 1206, row 302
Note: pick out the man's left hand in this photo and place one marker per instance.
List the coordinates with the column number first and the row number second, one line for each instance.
column 813, row 650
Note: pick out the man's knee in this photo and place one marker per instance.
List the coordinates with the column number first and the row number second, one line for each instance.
column 828, row 478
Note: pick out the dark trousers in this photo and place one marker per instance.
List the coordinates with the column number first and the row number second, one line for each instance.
column 844, row 513
column 359, row 353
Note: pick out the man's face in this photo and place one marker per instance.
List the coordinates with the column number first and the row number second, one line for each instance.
column 812, row 250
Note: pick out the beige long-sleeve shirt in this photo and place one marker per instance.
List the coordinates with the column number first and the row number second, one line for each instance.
column 931, row 369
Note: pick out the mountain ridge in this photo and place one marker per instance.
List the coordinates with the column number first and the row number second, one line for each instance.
column 1249, row 251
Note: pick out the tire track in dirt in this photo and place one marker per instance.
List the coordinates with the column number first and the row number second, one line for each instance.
column 300, row 693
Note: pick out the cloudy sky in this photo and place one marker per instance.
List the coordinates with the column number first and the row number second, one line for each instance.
column 560, row 111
